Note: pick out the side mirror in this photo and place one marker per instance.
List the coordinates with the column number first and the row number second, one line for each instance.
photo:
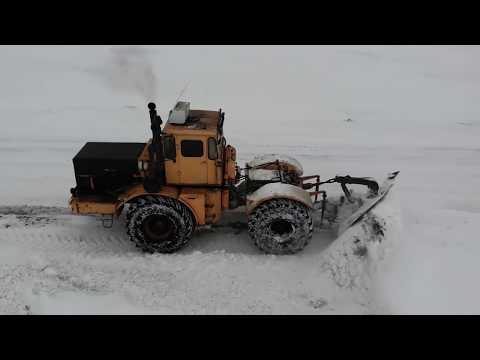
column 221, row 120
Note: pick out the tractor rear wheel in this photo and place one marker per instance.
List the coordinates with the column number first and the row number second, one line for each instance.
column 281, row 226
column 159, row 224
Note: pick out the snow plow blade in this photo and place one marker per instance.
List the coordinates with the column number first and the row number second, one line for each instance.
column 369, row 204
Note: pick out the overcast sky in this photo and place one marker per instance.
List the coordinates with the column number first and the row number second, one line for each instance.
column 294, row 89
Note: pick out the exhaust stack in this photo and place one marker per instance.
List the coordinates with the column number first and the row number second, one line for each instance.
column 156, row 177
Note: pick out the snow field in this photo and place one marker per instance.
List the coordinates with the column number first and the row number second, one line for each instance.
column 413, row 109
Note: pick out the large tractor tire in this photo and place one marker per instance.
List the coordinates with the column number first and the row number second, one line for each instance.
column 281, row 226
column 159, row 224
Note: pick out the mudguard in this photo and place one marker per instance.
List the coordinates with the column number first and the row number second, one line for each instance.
column 261, row 161
column 278, row 191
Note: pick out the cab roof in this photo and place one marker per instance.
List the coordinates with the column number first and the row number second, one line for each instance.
column 199, row 122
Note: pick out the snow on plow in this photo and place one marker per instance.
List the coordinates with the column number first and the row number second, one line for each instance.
column 367, row 230
column 369, row 204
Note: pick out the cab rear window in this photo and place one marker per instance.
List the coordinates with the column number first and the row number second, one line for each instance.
column 192, row 148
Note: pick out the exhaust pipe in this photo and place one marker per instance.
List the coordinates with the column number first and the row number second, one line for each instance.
column 156, row 177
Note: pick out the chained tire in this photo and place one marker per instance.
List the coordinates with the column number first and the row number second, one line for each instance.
column 159, row 224
column 281, row 226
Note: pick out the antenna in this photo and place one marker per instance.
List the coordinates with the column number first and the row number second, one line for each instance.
column 182, row 92
column 178, row 98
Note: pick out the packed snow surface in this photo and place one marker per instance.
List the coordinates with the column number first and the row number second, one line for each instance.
column 65, row 264
column 338, row 110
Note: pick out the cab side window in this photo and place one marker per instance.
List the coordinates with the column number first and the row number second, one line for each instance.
column 212, row 149
column 169, row 147
column 192, row 148
column 221, row 146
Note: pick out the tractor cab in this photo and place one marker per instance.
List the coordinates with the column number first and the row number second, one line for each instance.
column 195, row 149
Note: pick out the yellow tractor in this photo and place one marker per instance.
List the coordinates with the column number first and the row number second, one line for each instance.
column 186, row 176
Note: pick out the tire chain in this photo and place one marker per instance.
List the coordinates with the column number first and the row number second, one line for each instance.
column 142, row 207
column 262, row 217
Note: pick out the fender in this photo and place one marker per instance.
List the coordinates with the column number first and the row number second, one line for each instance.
column 267, row 161
column 278, row 191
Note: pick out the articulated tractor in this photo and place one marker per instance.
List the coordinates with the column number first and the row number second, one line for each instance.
column 186, row 176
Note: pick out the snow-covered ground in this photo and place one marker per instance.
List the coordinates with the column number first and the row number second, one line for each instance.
column 413, row 109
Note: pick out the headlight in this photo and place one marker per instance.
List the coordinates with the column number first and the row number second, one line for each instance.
column 142, row 165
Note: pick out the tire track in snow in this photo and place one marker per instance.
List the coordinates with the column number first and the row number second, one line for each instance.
column 61, row 239
column 220, row 272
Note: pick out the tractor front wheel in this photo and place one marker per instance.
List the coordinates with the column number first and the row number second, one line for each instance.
column 159, row 224
column 281, row 226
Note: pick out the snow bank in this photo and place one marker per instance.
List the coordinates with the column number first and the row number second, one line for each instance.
column 356, row 258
